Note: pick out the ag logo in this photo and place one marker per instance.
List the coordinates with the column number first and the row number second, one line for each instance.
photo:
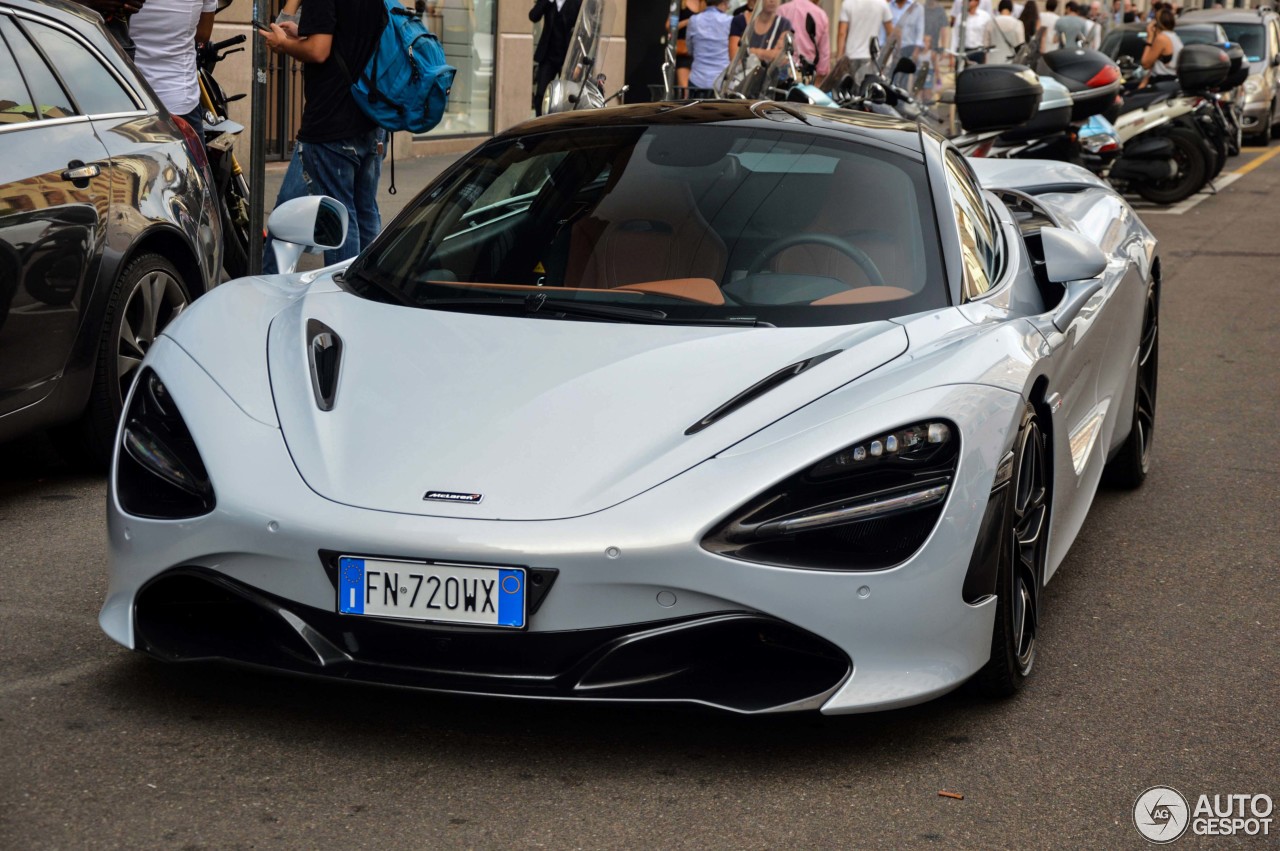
column 1161, row 814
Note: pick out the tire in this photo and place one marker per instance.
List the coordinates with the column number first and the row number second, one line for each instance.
column 1191, row 153
column 1272, row 132
column 1128, row 469
column 148, row 295
column 1020, row 574
column 233, row 206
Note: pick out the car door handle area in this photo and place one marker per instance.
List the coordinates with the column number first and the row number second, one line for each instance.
column 79, row 173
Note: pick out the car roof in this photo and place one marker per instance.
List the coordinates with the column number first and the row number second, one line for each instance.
column 780, row 116
column 1227, row 16
column 55, row 8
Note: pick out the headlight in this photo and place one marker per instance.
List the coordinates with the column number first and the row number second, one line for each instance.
column 1252, row 85
column 160, row 472
column 867, row 507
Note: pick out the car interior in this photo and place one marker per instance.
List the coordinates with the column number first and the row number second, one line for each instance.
column 706, row 215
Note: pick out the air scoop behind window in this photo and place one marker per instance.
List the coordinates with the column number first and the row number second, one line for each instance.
column 758, row 389
column 324, row 355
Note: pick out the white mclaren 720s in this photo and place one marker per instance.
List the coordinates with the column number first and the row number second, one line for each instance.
column 748, row 405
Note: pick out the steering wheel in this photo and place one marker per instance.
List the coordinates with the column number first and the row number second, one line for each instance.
column 853, row 252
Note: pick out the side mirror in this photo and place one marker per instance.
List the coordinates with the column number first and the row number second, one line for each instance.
column 315, row 221
column 905, row 66
column 811, row 28
column 1071, row 259
column 1275, row 60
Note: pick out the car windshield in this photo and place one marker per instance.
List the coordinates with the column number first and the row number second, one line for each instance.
column 1200, row 35
column 691, row 223
column 1250, row 37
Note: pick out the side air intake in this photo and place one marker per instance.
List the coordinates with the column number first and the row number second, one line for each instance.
column 758, row 389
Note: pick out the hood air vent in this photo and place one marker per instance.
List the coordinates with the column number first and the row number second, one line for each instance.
column 324, row 354
column 759, row 389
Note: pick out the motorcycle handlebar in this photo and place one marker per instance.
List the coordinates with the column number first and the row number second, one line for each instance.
column 219, row 46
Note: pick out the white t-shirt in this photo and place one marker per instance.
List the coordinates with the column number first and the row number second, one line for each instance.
column 1047, row 21
column 975, row 31
column 165, row 32
column 864, row 17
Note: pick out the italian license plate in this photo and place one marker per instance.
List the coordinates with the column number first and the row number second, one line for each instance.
column 422, row 591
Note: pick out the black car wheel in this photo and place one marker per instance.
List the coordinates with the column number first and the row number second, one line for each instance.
column 1128, row 469
column 1021, row 570
column 1191, row 155
column 148, row 296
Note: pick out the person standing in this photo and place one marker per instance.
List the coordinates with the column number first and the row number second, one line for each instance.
column 814, row 49
column 337, row 142
column 1072, row 28
column 765, row 30
column 1048, row 23
column 741, row 15
column 1004, row 34
column 908, row 22
column 1030, row 18
column 684, row 59
column 975, row 27
column 165, row 34
column 708, row 39
column 860, row 21
column 558, row 19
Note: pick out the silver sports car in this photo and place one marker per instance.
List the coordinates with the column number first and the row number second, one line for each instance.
column 753, row 406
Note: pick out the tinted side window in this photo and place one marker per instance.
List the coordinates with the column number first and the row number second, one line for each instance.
column 16, row 105
column 978, row 250
column 91, row 84
column 50, row 99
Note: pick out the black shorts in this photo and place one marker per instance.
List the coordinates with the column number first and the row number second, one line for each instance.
column 685, row 61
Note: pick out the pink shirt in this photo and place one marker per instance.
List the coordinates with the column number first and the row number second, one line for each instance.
column 795, row 11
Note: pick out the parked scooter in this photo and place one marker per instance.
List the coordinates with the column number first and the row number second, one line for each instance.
column 579, row 86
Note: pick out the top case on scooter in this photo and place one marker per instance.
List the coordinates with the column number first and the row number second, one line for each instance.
column 1202, row 66
column 1092, row 77
column 1053, row 116
column 996, row 97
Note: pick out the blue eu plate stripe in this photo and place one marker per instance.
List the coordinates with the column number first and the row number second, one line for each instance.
column 351, row 586
column 511, row 597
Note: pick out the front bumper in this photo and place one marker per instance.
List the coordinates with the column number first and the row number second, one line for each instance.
column 881, row 639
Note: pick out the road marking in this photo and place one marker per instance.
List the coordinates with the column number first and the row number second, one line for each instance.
column 1256, row 161
column 1147, row 208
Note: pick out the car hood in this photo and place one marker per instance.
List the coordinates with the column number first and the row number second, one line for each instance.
column 543, row 418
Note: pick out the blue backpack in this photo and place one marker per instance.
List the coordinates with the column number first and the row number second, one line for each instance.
column 405, row 84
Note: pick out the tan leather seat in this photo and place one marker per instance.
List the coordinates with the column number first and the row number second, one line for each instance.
column 647, row 228
column 870, row 205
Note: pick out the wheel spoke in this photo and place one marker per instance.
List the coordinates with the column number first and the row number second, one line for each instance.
column 128, row 340
column 125, row 365
column 152, row 288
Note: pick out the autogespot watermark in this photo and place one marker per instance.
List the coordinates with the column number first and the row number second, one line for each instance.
column 1162, row 814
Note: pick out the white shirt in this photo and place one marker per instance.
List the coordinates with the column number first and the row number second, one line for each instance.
column 1047, row 20
column 165, row 34
column 864, row 17
column 975, row 31
column 957, row 6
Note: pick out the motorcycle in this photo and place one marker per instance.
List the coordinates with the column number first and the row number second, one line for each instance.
column 579, row 86
column 220, row 135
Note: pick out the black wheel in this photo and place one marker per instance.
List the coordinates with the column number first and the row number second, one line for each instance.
column 148, row 296
column 234, row 207
column 1021, row 570
column 1128, row 469
column 1191, row 155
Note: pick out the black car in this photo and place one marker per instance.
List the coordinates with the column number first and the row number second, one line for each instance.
column 108, row 227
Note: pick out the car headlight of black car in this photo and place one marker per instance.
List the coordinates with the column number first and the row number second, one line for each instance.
column 867, row 507
column 160, row 472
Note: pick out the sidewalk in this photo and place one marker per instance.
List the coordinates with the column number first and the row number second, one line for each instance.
column 412, row 175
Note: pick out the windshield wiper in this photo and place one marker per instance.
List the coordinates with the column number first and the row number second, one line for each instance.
column 540, row 303
column 396, row 295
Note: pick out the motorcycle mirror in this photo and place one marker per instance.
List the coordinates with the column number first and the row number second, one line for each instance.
column 811, row 28
column 905, row 66
column 1275, row 60
column 556, row 98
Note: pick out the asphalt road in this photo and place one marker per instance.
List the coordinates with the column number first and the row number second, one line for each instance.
column 1159, row 664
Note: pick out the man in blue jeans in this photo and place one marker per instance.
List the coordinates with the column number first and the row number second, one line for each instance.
column 338, row 150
